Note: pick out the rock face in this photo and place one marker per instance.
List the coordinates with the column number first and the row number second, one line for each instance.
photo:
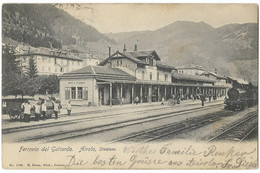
column 232, row 49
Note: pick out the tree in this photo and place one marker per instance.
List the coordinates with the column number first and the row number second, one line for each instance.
column 11, row 78
column 41, row 84
column 32, row 69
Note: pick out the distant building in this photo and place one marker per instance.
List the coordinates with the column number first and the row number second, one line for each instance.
column 191, row 69
column 90, row 61
column 237, row 81
column 50, row 62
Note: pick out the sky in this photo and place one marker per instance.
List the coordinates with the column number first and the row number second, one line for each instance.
column 115, row 18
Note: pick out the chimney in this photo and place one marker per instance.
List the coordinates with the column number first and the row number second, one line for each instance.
column 109, row 51
column 124, row 50
column 135, row 47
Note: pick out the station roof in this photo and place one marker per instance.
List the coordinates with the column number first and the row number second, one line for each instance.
column 213, row 74
column 127, row 55
column 50, row 53
column 163, row 65
column 135, row 55
column 100, row 73
column 144, row 53
column 192, row 66
column 239, row 80
column 181, row 76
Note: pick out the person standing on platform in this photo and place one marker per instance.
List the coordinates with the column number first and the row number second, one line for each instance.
column 192, row 98
column 210, row 96
column 37, row 111
column 136, row 100
column 27, row 112
column 56, row 108
column 214, row 97
column 203, row 99
column 178, row 98
column 69, row 108
column 162, row 101
column 44, row 109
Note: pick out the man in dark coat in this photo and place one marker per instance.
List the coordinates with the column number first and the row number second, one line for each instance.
column 203, row 99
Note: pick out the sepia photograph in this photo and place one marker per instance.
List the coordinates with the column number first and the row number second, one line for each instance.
column 130, row 86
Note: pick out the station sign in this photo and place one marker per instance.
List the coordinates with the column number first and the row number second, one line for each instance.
column 76, row 82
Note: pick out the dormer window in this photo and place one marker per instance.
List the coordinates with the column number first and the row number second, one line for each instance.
column 150, row 61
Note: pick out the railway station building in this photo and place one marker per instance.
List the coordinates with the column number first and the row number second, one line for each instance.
column 123, row 76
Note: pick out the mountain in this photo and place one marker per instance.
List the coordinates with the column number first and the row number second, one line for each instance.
column 232, row 49
column 44, row 25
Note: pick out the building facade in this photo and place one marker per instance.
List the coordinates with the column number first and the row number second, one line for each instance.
column 50, row 62
column 191, row 69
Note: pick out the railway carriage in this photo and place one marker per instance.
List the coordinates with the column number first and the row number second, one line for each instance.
column 13, row 108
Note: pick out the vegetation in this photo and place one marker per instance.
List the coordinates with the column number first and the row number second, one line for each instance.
column 44, row 25
column 11, row 73
column 32, row 69
column 46, row 84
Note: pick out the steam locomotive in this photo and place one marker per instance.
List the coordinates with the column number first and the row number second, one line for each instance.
column 241, row 98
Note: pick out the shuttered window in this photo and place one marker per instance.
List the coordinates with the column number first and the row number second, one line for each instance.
column 67, row 93
column 85, row 93
column 73, row 92
column 79, row 92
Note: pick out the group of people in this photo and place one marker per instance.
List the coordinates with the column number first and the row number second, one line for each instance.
column 201, row 97
column 40, row 108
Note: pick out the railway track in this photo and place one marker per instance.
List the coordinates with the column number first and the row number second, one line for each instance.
column 65, row 122
column 101, row 128
column 175, row 128
column 68, row 122
column 239, row 131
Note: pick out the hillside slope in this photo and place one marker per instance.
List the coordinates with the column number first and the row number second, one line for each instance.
column 226, row 48
column 44, row 25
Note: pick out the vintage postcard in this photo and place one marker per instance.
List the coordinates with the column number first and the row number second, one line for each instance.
column 130, row 86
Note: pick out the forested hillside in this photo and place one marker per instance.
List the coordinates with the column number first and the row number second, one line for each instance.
column 44, row 25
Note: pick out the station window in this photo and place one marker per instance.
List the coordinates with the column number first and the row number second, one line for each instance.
column 67, row 93
column 73, row 92
column 158, row 76
column 85, row 93
column 142, row 75
column 151, row 76
column 55, row 61
column 121, row 62
column 117, row 62
column 79, row 92
column 166, row 77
